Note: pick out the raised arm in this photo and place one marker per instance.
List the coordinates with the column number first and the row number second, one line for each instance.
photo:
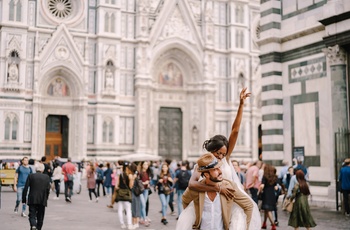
column 201, row 187
column 236, row 124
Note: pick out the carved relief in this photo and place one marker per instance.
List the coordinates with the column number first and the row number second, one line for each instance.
column 335, row 54
column 12, row 73
column 61, row 53
column 176, row 27
column 195, row 6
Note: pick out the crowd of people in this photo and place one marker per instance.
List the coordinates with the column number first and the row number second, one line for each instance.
column 236, row 191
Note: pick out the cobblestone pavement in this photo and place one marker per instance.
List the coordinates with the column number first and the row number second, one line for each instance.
column 81, row 214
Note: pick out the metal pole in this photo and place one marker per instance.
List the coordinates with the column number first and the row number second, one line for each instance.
column 336, row 173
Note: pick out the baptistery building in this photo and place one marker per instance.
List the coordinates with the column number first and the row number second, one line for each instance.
column 305, row 88
column 98, row 79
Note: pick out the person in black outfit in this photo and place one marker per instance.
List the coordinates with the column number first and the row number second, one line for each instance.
column 38, row 185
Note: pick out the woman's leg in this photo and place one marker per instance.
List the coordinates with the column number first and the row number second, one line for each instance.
column 127, row 206
column 90, row 193
column 143, row 207
column 164, row 203
column 57, row 187
column 120, row 212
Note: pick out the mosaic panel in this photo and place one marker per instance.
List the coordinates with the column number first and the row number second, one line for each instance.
column 307, row 70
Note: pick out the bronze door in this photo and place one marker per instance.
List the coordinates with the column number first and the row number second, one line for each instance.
column 56, row 142
column 170, row 133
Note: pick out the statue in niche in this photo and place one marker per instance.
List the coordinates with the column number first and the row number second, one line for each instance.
column 109, row 79
column 170, row 75
column 195, row 132
column 13, row 73
column 58, row 88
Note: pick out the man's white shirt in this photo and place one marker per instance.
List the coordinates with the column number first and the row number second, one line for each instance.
column 212, row 214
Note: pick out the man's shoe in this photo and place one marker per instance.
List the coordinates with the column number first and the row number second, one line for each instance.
column 69, row 200
column 347, row 214
column 23, row 214
column 16, row 210
column 33, row 228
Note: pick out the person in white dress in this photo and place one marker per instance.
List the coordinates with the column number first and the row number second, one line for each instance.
column 222, row 149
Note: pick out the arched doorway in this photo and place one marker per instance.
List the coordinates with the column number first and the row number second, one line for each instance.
column 56, row 137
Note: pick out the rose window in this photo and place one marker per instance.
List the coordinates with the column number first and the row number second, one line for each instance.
column 60, row 8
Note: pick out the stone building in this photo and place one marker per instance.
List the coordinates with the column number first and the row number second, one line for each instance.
column 305, row 87
column 97, row 79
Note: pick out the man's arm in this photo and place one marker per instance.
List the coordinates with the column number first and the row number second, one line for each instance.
column 186, row 198
column 243, row 201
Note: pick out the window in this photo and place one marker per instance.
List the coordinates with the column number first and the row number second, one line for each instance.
column 128, row 19
column 109, row 23
column 11, row 127
column 223, row 92
column 91, row 128
column 222, row 127
column 239, row 39
column 60, row 8
column 239, row 14
column 126, row 130
column 107, row 132
column 15, row 13
column 221, row 24
column 126, row 84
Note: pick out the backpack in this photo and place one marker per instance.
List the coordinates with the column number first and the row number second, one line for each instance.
column 183, row 179
column 138, row 187
column 99, row 174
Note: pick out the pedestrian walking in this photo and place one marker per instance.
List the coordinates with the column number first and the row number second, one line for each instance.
column 38, row 185
column 91, row 182
column 68, row 170
column 56, row 177
column 107, row 182
column 268, row 189
column 344, row 178
column 21, row 175
column 136, row 199
column 252, row 180
column 145, row 177
column 125, row 183
column 212, row 209
column 165, row 182
column 301, row 215
column 181, row 180
column 99, row 180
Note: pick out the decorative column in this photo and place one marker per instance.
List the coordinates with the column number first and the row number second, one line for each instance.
column 336, row 61
column 336, row 64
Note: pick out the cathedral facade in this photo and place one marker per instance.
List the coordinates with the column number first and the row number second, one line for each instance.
column 98, row 79
column 305, row 88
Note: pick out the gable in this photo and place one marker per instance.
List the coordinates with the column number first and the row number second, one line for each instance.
column 176, row 20
column 61, row 50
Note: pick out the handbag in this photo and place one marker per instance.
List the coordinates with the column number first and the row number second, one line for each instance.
column 288, row 205
column 167, row 189
column 123, row 194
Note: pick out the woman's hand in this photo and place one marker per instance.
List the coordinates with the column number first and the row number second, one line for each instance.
column 227, row 191
column 243, row 95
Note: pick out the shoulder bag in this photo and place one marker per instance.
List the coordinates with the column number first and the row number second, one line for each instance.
column 123, row 194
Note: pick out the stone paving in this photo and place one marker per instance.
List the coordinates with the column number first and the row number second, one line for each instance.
column 82, row 214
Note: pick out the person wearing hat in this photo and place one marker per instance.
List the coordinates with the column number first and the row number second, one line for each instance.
column 344, row 178
column 213, row 209
column 38, row 185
